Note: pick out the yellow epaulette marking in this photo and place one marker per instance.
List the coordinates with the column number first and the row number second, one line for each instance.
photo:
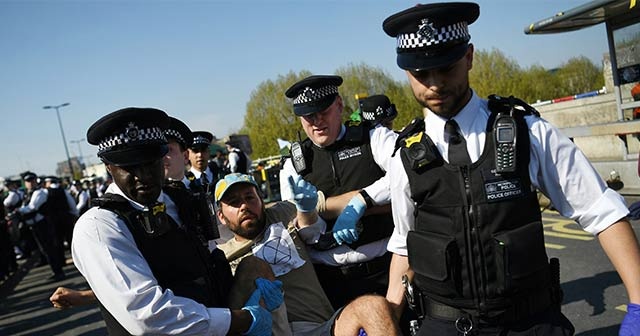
column 158, row 208
column 413, row 139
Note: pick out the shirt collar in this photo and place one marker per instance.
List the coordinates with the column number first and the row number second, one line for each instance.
column 114, row 189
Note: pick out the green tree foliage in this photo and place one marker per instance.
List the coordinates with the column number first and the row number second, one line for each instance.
column 535, row 84
column 579, row 75
column 270, row 115
column 493, row 72
column 362, row 78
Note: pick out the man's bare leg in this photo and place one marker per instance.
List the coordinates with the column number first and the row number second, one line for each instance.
column 249, row 269
column 369, row 312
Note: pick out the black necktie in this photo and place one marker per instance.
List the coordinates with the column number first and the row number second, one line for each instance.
column 458, row 154
column 205, row 181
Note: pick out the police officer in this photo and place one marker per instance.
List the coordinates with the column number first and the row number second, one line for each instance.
column 132, row 248
column 190, row 196
column 377, row 110
column 239, row 161
column 60, row 210
column 468, row 225
column 34, row 213
column 199, row 155
column 342, row 160
column 11, row 202
column 81, row 196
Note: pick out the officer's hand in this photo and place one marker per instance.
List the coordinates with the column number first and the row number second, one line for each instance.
column 261, row 324
column 631, row 323
column 305, row 194
column 344, row 230
column 271, row 292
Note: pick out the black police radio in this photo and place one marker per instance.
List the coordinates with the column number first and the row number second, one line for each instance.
column 297, row 157
column 505, row 135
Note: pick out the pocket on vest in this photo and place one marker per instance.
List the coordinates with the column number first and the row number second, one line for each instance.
column 521, row 259
column 435, row 259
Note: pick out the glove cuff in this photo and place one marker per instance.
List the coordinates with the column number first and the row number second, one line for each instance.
column 367, row 199
column 254, row 318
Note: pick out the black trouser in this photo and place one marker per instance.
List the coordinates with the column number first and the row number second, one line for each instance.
column 344, row 283
column 549, row 323
column 46, row 235
column 64, row 227
column 7, row 255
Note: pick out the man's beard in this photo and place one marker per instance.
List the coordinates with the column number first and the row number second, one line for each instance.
column 255, row 229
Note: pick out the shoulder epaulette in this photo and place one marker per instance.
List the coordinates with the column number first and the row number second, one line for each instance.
column 356, row 132
column 108, row 198
column 190, row 176
column 416, row 126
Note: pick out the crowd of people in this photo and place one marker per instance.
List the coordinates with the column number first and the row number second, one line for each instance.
column 38, row 214
column 433, row 230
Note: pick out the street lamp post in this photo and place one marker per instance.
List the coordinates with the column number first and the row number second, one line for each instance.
column 64, row 140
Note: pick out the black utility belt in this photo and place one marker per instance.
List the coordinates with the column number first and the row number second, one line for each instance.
column 373, row 266
column 522, row 309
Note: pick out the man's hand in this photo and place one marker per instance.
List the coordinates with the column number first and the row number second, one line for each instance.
column 305, row 194
column 344, row 230
column 261, row 324
column 631, row 323
column 271, row 293
column 64, row 298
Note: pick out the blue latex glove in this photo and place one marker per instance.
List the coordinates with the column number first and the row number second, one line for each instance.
column 261, row 324
column 271, row 293
column 305, row 194
column 361, row 332
column 344, row 230
column 631, row 323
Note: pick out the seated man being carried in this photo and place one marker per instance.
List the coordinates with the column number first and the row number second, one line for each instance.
column 278, row 234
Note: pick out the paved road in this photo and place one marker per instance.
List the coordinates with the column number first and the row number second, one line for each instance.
column 594, row 297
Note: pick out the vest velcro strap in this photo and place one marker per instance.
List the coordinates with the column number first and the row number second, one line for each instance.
column 522, row 309
column 366, row 268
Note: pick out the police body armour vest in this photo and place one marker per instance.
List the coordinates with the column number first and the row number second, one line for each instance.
column 177, row 258
column 478, row 242
column 345, row 166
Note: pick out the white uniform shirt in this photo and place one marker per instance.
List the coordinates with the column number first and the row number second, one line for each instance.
column 382, row 143
column 105, row 252
column 234, row 159
column 83, row 199
column 38, row 198
column 12, row 199
column 198, row 173
column 557, row 168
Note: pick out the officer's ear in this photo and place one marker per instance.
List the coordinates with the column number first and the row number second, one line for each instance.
column 185, row 155
column 108, row 167
column 468, row 56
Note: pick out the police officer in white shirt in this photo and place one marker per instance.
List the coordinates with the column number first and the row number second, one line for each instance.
column 468, row 225
column 342, row 160
column 199, row 156
column 144, row 265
